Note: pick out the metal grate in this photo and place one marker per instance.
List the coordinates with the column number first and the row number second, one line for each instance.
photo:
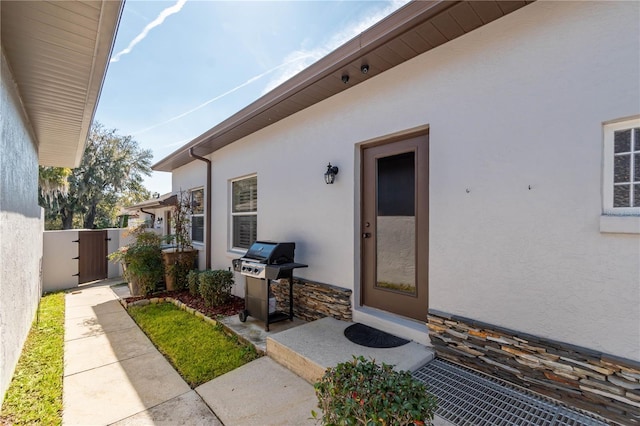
column 466, row 397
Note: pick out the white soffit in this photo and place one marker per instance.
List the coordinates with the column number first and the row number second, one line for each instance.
column 58, row 52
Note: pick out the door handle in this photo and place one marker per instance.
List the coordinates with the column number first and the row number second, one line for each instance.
column 366, row 235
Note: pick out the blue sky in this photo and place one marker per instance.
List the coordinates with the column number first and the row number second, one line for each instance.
column 180, row 67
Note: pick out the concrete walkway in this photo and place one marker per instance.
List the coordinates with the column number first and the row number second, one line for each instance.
column 114, row 375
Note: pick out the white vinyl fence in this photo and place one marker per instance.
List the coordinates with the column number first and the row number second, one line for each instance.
column 60, row 264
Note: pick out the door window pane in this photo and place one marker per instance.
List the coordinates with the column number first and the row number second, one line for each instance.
column 395, row 223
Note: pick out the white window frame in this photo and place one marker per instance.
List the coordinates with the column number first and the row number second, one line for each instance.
column 204, row 230
column 609, row 157
column 233, row 214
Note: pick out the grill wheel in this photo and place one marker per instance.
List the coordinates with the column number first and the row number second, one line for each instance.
column 243, row 315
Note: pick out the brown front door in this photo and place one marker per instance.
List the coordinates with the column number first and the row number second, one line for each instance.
column 92, row 256
column 395, row 226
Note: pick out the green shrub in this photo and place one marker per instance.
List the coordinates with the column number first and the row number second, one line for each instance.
column 141, row 260
column 144, row 264
column 193, row 282
column 215, row 286
column 362, row 392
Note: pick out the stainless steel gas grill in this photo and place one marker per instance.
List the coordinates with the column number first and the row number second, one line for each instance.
column 263, row 262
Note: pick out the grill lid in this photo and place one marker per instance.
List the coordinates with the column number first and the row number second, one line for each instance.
column 270, row 252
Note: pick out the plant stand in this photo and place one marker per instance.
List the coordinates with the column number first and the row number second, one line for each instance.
column 171, row 257
column 134, row 287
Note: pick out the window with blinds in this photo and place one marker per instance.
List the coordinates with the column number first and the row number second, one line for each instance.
column 197, row 215
column 244, row 212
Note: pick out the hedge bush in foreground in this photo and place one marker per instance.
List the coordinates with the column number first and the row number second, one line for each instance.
column 362, row 392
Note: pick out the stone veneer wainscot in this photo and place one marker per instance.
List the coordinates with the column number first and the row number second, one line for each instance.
column 312, row 301
column 600, row 383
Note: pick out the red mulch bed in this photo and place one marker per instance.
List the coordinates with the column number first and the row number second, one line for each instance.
column 232, row 307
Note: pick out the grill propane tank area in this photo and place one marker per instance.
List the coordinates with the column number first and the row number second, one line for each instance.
column 266, row 261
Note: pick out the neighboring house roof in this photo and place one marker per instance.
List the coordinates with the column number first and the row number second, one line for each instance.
column 417, row 27
column 166, row 200
column 58, row 52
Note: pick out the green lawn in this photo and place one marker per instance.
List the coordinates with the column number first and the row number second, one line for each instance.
column 35, row 393
column 198, row 350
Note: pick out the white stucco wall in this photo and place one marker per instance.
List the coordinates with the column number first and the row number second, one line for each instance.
column 517, row 103
column 21, row 227
column 188, row 177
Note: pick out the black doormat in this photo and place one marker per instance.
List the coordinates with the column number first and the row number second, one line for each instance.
column 364, row 335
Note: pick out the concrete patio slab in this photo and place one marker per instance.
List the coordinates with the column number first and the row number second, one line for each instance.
column 102, row 349
column 116, row 391
column 77, row 328
column 187, row 408
column 260, row 393
column 310, row 349
column 253, row 329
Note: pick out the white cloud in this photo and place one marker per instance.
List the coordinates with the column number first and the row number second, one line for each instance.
column 336, row 41
column 179, row 143
column 151, row 25
column 290, row 62
column 294, row 62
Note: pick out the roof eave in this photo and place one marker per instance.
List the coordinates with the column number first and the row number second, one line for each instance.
column 104, row 49
column 58, row 53
column 406, row 19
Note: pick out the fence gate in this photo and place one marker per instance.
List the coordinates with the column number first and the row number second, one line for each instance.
column 92, row 255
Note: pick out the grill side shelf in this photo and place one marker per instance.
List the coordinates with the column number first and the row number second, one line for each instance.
column 274, row 272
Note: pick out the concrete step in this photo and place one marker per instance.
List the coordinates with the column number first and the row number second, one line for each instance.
column 260, row 393
column 309, row 349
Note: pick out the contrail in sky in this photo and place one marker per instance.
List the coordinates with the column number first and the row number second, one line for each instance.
column 294, row 63
column 333, row 43
column 228, row 92
column 151, row 25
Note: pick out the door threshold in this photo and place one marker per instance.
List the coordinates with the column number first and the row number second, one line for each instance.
column 393, row 324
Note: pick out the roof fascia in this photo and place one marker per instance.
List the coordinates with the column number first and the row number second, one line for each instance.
column 102, row 55
column 405, row 18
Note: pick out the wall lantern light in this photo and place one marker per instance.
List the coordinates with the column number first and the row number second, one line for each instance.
column 330, row 174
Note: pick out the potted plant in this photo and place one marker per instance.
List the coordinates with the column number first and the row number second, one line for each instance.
column 180, row 259
column 141, row 261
